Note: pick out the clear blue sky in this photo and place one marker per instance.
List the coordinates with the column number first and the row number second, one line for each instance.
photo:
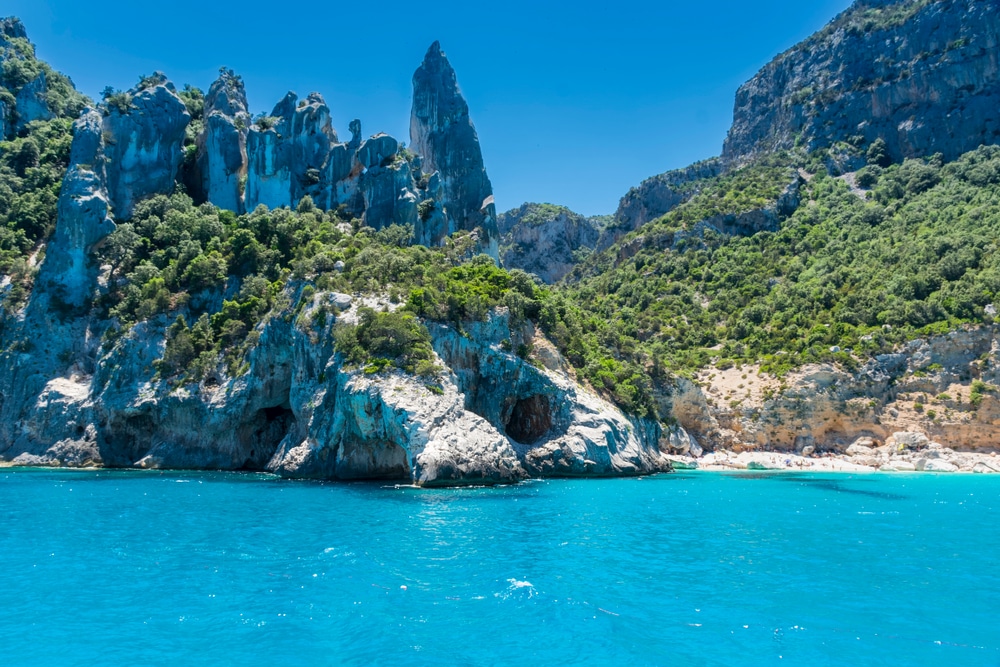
column 574, row 102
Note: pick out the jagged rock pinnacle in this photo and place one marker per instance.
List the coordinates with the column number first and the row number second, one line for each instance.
column 442, row 132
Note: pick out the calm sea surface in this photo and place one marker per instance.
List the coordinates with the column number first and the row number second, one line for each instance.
column 131, row 568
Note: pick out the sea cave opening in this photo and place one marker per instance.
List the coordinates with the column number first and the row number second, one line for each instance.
column 530, row 419
column 270, row 426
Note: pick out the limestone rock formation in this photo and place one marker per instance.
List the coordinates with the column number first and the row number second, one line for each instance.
column 287, row 151
column 656, row 197
column 144, row 145
column 299, row 411
column 442, row 132
column 222, row 152
column 545, row 240
column 83, row 214
column 922, row 75
column 31, row 103
column 30, row 90
column 824, row 409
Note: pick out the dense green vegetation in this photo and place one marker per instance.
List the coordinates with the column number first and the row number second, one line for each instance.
column 844, row 277
column 383, row 338
column 866, row 262
column 228, row 273
column 32, row 162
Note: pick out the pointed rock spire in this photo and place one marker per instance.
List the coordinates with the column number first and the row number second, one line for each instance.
column 442, row 132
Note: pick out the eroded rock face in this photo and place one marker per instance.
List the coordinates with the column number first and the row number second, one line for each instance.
column 287, row 153
column 926, row 80
column 144, row 146
column 31, row 103
column 545, row 240
column 892, row 400
column 442, row 132
column 299, row 412
column 83, row 215
column 222, row 152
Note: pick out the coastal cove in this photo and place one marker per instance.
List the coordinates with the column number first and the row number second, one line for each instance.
column 692, row 568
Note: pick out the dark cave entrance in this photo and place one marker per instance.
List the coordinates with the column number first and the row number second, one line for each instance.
column 270, row 426
column 530, row 419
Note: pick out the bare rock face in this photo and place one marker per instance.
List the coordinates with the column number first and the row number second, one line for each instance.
column 222, row 152
column 31, row 102
column 891, row 399
column 300, row 412
column 545, row 240
column 287, row 151
column 83, row 214
column 923, row 76
column 442, row 132
column 558, row 428
column 144, row 146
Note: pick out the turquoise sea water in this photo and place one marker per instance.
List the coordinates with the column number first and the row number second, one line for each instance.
column 687, row 569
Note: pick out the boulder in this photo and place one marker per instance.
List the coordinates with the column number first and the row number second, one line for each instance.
column 936, row 465
column 860, row 450
column 898, row 466
column 908, row 440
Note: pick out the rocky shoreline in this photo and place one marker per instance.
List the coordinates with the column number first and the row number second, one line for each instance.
column 906, row 451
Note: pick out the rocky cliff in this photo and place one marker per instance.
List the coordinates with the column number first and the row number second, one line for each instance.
column 546, row 240
column 143, row 143
column 300, row 411
column 29, row 89
column 923, row 75
column 81, row 387
column 222, row 146
column 935, row 400
column 657, row 196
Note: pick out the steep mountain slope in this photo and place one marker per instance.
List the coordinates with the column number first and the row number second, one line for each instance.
column 923, row 75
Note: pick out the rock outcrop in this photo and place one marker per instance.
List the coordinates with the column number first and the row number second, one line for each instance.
column 489, row 417
column 31, row 103
column 83, row 215
column 222, row 150
column 922, row 75
column 442, row 132
column 286, row 152
column 144, row 144
column 656, row 197
column 926, row 388
column 545, row 240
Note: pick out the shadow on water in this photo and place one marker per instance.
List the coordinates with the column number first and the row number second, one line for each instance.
column 827, row 484
column 823, row 483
